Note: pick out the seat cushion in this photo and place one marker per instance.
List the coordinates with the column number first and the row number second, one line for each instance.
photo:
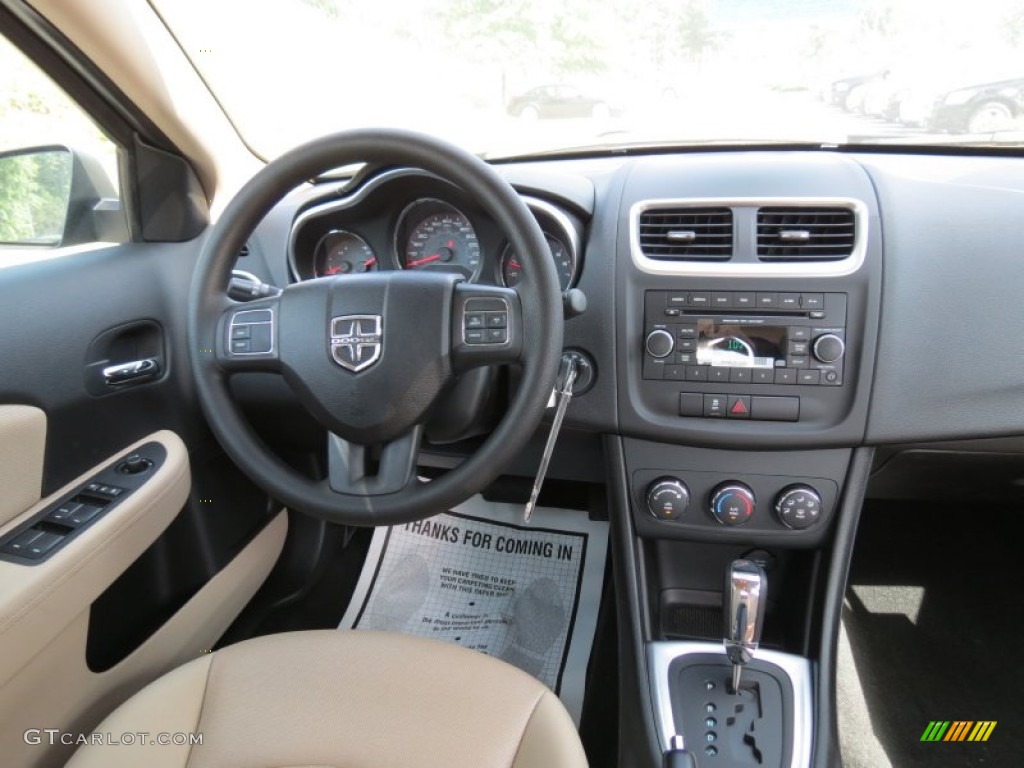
column 334, row 698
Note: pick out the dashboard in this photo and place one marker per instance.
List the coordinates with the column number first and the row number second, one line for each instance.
column 752, row 317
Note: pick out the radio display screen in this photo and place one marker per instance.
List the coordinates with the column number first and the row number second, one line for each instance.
column 740, row 346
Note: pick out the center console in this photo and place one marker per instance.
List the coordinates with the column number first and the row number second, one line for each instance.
column 747, row 300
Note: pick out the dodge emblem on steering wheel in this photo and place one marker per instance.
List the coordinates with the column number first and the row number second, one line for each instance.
column 356, row 341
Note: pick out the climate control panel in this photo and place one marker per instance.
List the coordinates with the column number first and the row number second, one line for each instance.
column 712, row 505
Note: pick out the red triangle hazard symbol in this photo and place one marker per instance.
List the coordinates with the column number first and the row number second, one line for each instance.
column 738, row 407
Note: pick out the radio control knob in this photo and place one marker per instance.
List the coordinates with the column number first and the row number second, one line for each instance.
column 667, row 498
column 660, row 343
column 828, row 348
column 798, row 507
column 732, row 503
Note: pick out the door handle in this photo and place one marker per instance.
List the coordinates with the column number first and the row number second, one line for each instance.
column 135, row 372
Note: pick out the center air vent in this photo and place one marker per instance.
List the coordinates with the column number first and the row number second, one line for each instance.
column 805, row 234
column 686, row 234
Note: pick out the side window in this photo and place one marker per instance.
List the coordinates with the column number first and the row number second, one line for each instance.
column 58, row 170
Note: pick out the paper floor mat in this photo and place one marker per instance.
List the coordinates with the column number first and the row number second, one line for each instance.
column 478, row 576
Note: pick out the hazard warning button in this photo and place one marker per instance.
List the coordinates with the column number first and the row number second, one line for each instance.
column 739, row 407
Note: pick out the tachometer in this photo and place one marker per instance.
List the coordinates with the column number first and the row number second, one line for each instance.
column 340, row 252
column 434, row 235
column 565, row 264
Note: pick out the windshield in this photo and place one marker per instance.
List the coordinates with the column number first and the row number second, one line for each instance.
column 510, row 77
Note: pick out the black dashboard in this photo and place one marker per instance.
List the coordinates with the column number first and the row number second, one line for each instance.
column 737, row 302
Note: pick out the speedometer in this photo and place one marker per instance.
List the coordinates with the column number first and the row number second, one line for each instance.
column 437, row 236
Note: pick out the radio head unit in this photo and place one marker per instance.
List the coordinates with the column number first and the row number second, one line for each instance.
column 745, row 337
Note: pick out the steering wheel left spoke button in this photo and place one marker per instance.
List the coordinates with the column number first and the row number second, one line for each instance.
column 252, row 332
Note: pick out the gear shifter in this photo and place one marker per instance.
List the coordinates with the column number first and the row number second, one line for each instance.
column 745, row 596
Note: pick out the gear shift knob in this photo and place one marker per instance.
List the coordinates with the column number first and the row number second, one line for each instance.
column 745, row 597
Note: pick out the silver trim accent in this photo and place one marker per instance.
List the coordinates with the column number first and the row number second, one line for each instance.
column 817, row 341
column 652, row 334
column 571, row 239
column 355, row 339
column 660, row 656
column 236, row 321
column 734, row 268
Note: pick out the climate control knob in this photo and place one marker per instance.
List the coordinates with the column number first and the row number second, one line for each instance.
column 732, row 503
column 798, row 507
column 828, row 348
column 667, row 498
column 659, row 343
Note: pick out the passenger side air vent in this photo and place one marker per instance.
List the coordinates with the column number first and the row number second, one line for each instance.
column 805, row 234
column 686, row 234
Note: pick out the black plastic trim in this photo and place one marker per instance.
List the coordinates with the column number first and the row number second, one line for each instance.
column 826, row 731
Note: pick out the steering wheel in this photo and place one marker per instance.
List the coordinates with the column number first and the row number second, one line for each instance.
column 368, row 355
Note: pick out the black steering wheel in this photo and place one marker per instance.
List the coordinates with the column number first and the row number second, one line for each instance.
column 369, row 354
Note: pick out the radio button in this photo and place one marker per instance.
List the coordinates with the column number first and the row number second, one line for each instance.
column 811, row 376
column 687, row 345
column 767, row 300
column 799, row 347
column 799, row 333
column 672, row 312
column 813, row 301
column 789, row 301
column 739, row 375
column 689, row 332
column 798, row 362
column 675, row 372
column 678, row 299
column 721, row 300
column 714, row 406
column 764, row 375
column 830, row 377
column 718, row 373
column 744, row 301
column 696, row 373
column 687, row 358
column 700, row 299
column 785, row 376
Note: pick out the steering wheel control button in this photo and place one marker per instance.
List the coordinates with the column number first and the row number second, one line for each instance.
column 828, row 348
column 251, row 332
column 667, row 498
column 739, row 407
column 798, row 507
column 715, row 406
column 732, row 503
column 485, row 322
column 659, row 343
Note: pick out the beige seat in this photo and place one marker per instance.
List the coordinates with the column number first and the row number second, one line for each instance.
column 346, row 699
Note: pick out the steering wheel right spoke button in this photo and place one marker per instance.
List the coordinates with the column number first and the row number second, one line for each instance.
column 798, row 507
column 732, row 503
